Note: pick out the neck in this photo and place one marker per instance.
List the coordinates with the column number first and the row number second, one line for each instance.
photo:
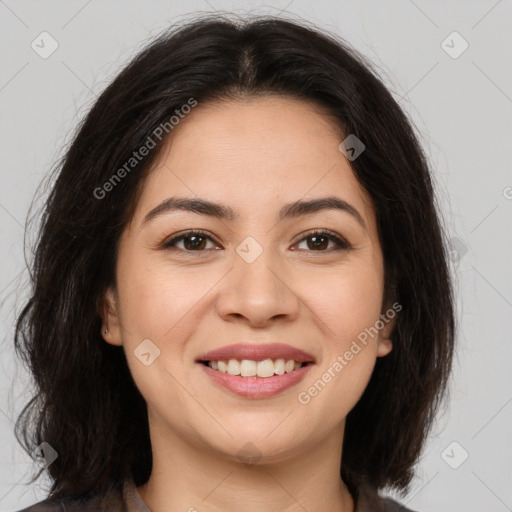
column 192, row 477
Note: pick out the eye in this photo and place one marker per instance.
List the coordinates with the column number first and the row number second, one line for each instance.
column 194, row 241
column 318, row 241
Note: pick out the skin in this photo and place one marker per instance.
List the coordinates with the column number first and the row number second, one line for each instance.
column 253, row 155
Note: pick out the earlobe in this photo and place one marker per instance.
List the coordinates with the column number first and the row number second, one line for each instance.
column 110, row 329
column 385, row 344
column 384, row 347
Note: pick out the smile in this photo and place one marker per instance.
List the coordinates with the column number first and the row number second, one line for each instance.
column 249, row 368
column 255, row 387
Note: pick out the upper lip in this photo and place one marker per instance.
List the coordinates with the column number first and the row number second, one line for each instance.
column 255, row 352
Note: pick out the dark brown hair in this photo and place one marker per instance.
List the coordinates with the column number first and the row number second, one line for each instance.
column 87, row 406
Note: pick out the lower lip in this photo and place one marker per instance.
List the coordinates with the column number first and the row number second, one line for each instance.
column 256, row 387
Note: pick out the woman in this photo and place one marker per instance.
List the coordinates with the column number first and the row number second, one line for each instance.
column 241, row 295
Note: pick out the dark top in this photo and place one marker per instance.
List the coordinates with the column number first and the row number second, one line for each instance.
column 130, row 501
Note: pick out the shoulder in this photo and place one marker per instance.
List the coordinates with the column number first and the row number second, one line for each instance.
column 393, row 506
column 373, row 502
column 110, row 502
column 44, row 506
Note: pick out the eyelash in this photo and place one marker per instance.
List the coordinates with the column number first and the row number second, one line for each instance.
column 340, row 242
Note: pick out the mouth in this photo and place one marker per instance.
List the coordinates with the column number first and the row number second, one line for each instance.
column 256, row 371
column 264, row 369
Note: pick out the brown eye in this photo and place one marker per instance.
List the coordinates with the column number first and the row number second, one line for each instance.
column 192, row 241
column 318, row 241
column 196, row 241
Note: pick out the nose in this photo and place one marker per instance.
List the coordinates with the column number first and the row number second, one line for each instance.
column 258, row 293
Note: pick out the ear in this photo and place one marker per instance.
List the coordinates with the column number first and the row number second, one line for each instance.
column 388, row 318
column 111, row 323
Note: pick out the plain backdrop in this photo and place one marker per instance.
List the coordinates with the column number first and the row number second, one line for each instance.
column 448, row 65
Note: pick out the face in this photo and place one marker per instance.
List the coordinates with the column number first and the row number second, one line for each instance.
column 253, row 278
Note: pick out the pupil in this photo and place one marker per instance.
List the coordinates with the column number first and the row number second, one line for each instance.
column 194, row 241
column 316, row 238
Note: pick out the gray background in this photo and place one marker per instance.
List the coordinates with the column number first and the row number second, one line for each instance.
column 462, row 106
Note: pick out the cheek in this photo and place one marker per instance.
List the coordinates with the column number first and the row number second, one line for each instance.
column 348, row 305
column 161, row 306
column 165, row 305
column 158, row 299
column 346, row 302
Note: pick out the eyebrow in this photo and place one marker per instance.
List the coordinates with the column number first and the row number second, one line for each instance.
column 219, row 211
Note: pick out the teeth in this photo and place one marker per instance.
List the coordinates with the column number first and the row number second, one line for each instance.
column 279, row 366
column 289, row 366
column 234, row 367
column 265, row 368
column 249, row 368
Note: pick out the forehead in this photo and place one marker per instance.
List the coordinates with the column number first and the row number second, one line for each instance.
column 252, row 152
